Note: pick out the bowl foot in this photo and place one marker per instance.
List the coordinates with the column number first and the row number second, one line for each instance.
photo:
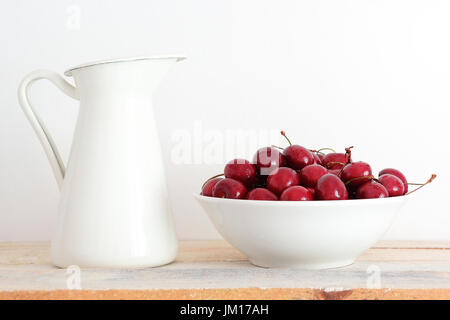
column 302, row 265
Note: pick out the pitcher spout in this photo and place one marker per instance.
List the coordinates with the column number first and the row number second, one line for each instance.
column 137, row 73
column 175, row 58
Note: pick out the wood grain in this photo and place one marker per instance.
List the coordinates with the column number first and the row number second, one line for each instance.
column 215, row 270
column 230, row 294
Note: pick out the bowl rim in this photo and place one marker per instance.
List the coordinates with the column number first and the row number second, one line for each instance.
column 316, row 203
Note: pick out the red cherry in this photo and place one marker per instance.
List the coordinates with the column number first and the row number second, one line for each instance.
column 370, row 190
column 334, row 160
column 268, row 159
column 393, row 184
column 281, row 179
column 312, row 191
column 330, row 187
column 355, row 174
column 396, row 173
column 310, row 174
column 298, row 157
column 296, row 193
column 241, row 170
column 261, row 194
column 230, row 189
column 318, row 157
column 208, row 187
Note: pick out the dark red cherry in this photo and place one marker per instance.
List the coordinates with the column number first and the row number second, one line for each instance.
column 298, row 157
column 281, row 179
column 261, row 194
column 330, row 187
column 241, row 170
column 352, row 195
column 296, row 193
column 310, row 174
column 261, row 181
column 334, row 160
column 208, row 187
column 393, row 184
column 396, row 173
column 268, row 159
column 230, row 189
column 370, row 190
column 355, row 174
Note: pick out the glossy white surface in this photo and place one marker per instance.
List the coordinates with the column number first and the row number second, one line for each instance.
column 113, row 210
column 304, row 234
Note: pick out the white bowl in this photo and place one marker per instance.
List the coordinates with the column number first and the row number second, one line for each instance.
column 302, row 234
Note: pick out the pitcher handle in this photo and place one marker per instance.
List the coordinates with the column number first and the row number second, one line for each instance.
column 38, row 125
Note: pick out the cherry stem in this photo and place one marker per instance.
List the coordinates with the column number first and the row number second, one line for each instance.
column 274, row 146
column 284, row 135
column 360, row 178
column 433, row 176
column 330, row 149
column 317, row 151
column 329, row 164
column 216, row 176
column 348, row 158
column 348, row 155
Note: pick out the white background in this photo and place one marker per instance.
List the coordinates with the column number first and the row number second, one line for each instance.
column 373, row 74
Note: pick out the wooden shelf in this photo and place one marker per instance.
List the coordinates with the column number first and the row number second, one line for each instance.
column 215, row 270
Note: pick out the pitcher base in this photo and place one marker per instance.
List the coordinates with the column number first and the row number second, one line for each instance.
column 128, row 264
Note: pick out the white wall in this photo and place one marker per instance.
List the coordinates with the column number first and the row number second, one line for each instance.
column 373, row 74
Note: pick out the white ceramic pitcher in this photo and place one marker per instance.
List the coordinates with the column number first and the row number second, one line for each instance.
column 113, row 210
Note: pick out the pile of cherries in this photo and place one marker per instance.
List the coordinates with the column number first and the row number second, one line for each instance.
column 296, row 173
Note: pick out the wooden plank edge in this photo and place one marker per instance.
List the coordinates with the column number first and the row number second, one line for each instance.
column 231, row 294
column 412, row 244
column 190, row 245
